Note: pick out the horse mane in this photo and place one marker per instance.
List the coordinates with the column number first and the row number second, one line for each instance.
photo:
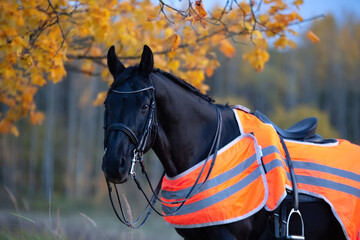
column 130, row 71
column 184, row 84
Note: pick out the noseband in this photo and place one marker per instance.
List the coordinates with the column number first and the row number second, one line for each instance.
column 150, row 124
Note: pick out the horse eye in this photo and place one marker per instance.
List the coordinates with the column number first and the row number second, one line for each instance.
column 144, row 107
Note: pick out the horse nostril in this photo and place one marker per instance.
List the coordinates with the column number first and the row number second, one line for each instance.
column 122, row 165
column 115, row 171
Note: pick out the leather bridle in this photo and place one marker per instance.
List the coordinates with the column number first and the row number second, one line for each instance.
column 152, row 124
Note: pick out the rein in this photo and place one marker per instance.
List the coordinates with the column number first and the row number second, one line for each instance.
column 150, row 124
column 214, row 147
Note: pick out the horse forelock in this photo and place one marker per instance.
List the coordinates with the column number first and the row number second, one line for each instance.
column 126, row 75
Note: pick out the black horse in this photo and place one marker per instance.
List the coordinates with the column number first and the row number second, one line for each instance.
column 149, row 108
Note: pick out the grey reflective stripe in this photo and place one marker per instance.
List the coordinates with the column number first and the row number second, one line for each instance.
column 270, row 149
column 307, row 165
column 327, row 169
column 320, row 182
column 211, row 182
column 273, row 149
column 312, row 180
column 273, row 164
column 204, row 203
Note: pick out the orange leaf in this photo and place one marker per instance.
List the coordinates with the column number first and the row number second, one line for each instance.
column 297, row 3
column 199, row 6
column 227, row 49
column 209, row 71
column 5, row 126
column 36, row 117
column 173, row 41
column 312, row 37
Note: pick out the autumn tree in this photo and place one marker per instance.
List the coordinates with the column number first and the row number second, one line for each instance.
column 39, row 39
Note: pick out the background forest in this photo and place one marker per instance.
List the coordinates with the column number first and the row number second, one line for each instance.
column 52, row 173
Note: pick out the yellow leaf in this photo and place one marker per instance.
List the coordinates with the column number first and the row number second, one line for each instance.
column 227, row 49
column 292, row 44
column 37, row 80
column 84, row 31
column 281, row 42
column 88, row 67
column 257, row 58
column 174, row 65
column 100, row 98
column 14, row 131
column 245, row 8
column 264, row 18
column 294, row 15
column 312, row 37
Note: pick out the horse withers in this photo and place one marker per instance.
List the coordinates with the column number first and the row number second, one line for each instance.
column 226, row 174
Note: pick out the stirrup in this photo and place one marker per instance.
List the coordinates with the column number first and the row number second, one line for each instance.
column 295, row 237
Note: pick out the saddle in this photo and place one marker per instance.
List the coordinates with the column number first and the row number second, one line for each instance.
column 304, row 130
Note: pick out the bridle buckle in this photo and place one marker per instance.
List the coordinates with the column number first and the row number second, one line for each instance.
column 138, row 156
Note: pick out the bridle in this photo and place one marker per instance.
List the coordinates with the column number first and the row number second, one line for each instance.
column 152, row 124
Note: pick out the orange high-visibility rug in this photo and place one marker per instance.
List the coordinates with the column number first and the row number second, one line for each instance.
column 251, row 173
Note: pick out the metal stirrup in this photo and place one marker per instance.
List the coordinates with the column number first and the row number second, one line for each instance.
column 295, row 237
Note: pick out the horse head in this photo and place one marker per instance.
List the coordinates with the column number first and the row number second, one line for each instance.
column 129, row 117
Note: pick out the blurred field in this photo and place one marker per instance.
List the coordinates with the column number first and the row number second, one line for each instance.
column 60, row 219
column 93, row 225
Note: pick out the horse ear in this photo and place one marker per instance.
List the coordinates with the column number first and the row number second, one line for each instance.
column 113, row 62
column 147, row 61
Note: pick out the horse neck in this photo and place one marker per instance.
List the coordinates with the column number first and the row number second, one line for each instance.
column 187, row 126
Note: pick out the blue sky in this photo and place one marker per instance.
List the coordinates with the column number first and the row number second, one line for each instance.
column 310, row 8
column 339, row 8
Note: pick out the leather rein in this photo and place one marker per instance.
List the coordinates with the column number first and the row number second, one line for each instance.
column 152, row 124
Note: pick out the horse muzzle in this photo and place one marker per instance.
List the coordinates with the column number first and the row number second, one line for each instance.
column 116, row 170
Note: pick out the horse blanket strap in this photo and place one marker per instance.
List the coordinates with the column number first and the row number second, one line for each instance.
column 292, row 175
column 251, row 172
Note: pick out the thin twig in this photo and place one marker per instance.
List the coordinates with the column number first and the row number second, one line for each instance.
column 58, row 23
